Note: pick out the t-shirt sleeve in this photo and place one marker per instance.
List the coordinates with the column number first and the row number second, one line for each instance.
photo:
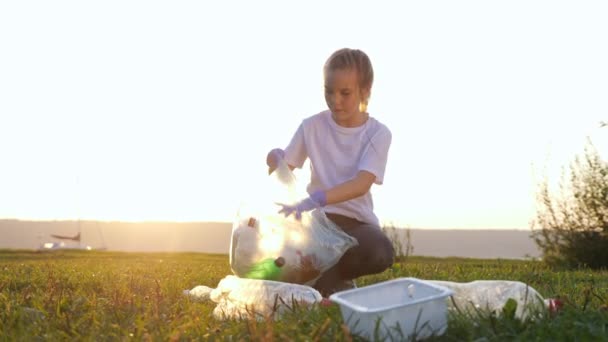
column 375, row 154
column 295, row 152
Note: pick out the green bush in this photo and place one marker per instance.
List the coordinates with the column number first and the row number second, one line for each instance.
column 572, row 229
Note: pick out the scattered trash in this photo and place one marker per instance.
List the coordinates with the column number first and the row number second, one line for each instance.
column 241, row 298
column 554, row 305
column 418, row 306
column 326, row 302
column 199, row 293
column 492, row 296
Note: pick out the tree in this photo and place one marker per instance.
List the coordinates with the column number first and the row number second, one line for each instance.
column 572, row 229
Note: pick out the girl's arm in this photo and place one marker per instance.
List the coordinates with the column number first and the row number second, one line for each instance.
column 353, row 188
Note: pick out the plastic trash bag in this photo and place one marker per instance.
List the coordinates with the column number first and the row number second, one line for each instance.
column 266, row 245
column 493, row 295
column 240, row 298
column 199, row 293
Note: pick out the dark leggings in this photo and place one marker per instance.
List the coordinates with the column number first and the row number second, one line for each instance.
column 374, row 254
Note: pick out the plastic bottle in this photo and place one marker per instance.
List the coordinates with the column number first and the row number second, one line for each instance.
column 268, row 269
column 492, row 295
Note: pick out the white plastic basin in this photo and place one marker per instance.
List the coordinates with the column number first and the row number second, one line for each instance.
column 403, row 308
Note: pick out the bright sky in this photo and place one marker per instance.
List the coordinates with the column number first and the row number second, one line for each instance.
column 150, row 110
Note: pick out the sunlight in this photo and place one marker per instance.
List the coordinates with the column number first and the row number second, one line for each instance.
column 272, row 238
column 163, row 129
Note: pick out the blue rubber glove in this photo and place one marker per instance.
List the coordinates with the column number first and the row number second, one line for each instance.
column 273, row 158
column 316, row 200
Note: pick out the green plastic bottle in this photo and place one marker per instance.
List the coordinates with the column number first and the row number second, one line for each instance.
column 267, row 269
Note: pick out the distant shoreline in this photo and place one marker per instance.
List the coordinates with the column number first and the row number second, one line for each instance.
column 214, row 237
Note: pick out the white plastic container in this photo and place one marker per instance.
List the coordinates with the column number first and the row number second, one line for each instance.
column 403, row 308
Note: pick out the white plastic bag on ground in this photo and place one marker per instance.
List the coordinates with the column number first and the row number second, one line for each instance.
column 267, row 245
column 492, row 295
column 199, row 293
column 239, row 298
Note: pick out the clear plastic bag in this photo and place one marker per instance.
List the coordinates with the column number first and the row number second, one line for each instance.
column 493, row 295
column 240, row 298
column 267, row 245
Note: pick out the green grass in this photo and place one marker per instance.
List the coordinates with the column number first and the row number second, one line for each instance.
column 113, row 296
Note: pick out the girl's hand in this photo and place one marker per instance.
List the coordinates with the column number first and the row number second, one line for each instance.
column 273, row 158
column 316, row 200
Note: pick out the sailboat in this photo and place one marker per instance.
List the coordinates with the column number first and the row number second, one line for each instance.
column 70, row 242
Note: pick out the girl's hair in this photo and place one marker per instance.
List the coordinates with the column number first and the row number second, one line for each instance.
column 356, row 60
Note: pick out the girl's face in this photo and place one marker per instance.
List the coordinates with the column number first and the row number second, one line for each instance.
column 343, row 97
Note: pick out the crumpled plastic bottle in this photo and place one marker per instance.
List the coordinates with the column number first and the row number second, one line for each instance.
column 493, row 295
column 269, row 269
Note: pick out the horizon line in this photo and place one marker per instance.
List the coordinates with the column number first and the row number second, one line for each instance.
column 230, row 223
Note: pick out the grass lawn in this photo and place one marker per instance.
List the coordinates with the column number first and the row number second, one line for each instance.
column 97, row 296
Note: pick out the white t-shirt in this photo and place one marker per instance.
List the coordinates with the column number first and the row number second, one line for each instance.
column 337, row 154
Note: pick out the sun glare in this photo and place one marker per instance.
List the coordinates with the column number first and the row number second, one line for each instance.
column 155, row 127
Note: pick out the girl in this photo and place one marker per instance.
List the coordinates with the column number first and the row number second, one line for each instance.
column 348, row 150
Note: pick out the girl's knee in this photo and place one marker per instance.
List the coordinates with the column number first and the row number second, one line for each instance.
column 385, row 258
column 374, row 254
column 381, row 259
